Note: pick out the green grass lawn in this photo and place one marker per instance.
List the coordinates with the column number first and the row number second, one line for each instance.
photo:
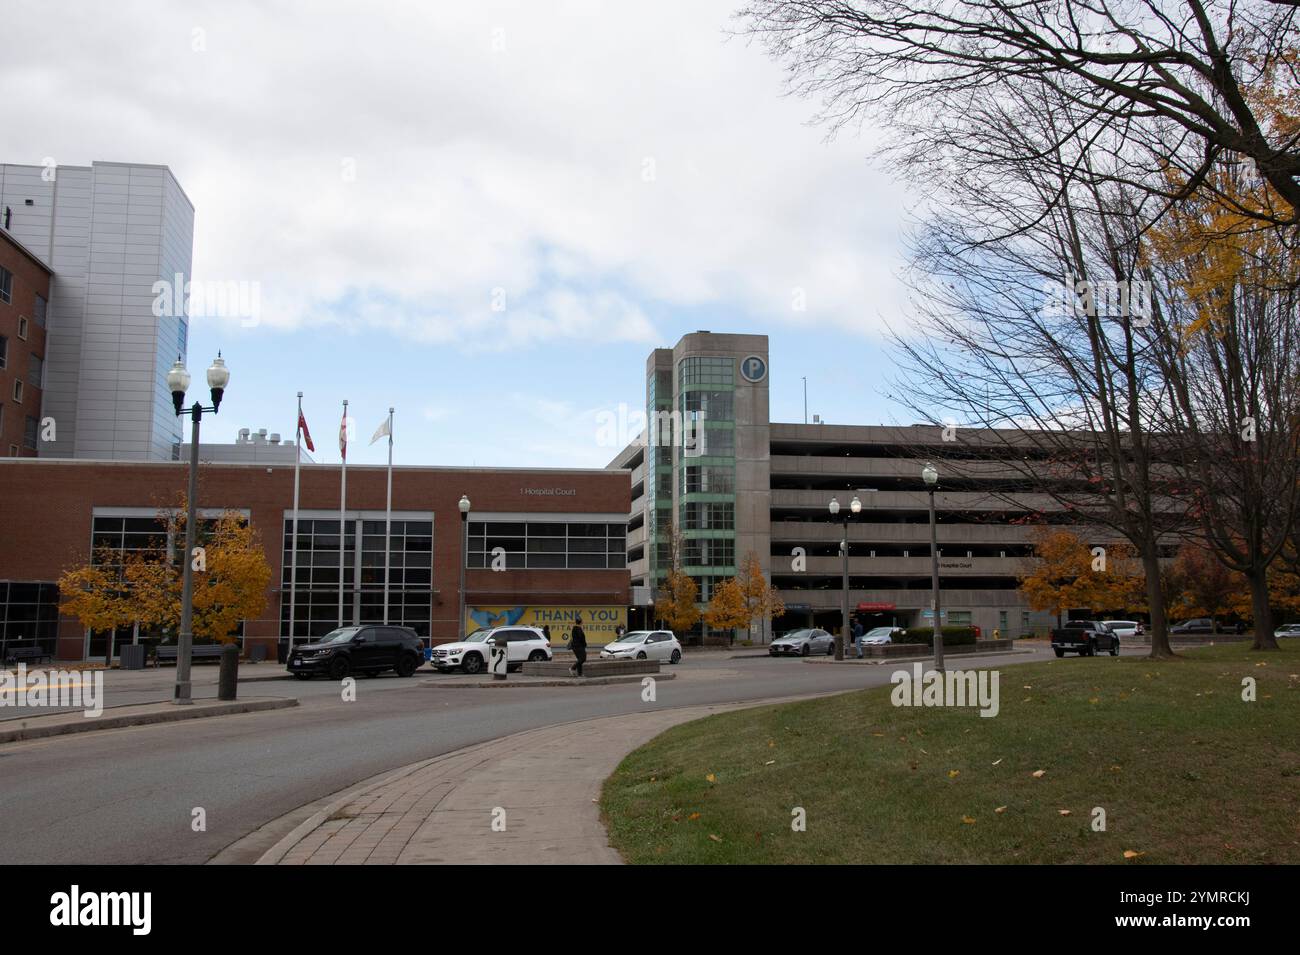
column 1185, row 770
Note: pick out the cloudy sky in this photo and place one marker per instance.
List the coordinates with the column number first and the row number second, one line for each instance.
column 484, row 214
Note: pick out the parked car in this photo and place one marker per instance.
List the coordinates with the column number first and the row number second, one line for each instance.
column 472, row 654
column 1085, row 637
column 1125, row 628
column 1195, row 625
column 880, row 635
column 366, row 649
column 644, row 645
column 802, row 643
column 1288, row 630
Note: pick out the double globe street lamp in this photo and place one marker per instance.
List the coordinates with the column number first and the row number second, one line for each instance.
column 464, row 505
column 930, row 475
column 855, row 507
column 178, row 382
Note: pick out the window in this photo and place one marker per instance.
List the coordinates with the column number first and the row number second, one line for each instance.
column 18, row 390
column 30, row 428
column 39, row 312
column 707, row 480
column 4, row 351
column 6, row 285
column 35, row 370
column 316, row 590
column 557, row 545
column 22, row 327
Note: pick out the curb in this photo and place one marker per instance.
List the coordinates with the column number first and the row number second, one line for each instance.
column 172, row 715
column 881, row 661
column 576, row 681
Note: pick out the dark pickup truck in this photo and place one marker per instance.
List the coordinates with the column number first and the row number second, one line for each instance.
column 1085, row 637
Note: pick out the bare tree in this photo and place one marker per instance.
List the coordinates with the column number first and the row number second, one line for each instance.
column 1171, row 80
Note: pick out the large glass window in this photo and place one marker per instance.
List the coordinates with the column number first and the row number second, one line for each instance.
column 700, row 516
column 705, row 371
column 547, row 544
column 316, row 601
column 708, row 480
column 29, row 615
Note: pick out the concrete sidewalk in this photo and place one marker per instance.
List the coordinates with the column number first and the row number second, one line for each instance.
column 540, row 787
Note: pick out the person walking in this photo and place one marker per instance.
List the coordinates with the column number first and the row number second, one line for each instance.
column 546, row 632
column 578, row 644
column 857, row 636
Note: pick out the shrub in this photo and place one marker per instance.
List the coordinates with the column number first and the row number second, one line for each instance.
column 952, row 636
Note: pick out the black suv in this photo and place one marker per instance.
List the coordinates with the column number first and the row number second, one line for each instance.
column 366, row 649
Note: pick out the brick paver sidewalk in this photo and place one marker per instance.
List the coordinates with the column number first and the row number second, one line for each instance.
column 540, row 786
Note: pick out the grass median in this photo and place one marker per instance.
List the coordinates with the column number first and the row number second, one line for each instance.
column 1184, row 769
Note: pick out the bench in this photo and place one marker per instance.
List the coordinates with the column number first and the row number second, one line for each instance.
column 199, row 651
column 25, row 654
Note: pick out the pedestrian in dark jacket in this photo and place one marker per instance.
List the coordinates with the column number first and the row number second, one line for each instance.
column 578, row 644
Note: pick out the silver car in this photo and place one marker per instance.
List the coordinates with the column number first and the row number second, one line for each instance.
column 802, row 643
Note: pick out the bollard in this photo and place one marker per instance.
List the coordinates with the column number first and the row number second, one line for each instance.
column 499, row 661
column 228, row 681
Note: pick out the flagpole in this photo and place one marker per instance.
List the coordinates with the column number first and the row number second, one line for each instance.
column 388, row 513
column 343, row 503
column 293, row 559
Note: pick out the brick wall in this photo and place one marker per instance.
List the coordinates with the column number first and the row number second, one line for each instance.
column 30, row 279
column 46, row 508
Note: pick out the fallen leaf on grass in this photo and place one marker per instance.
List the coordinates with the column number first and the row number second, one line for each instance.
column 1130, row 854
column 711, row 778
column 715, row 838
column 1093, row 700
column 969, row 820
column 1038, row 773
column 998, row 760
column 881, row 735
column 1000, row 810
column 1063, row 812
column 769, row 762
column 693, row 816
column 953, row 772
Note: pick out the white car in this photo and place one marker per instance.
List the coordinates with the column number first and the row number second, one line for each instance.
column 1288, row 630
column 877, row 636
column 472, row 654
column 1125, row 629
column 644, row 645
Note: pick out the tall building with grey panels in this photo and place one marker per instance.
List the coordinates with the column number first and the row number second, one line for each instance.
column 109, row 231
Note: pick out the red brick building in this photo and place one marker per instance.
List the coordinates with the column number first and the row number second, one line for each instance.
column 556, row 539
column 24, row 293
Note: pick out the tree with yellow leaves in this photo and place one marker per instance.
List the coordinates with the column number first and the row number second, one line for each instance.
column 1065, row 573
column 230, row 577
column 677, row 604
column 727, row 607
column 96, row 594
column 762, row 601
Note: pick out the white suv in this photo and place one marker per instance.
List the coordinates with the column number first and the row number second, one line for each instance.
column 472, row 653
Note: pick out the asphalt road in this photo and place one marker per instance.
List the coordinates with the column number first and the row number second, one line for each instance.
column 127, row 796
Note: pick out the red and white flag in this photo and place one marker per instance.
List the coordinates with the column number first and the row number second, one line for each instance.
column 343, row 435
column 306, row 435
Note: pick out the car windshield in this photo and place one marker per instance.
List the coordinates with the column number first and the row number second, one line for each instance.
column 880, row 632
column 478, row 636
column 799, row 635
column 342, row 635
column 636, row 636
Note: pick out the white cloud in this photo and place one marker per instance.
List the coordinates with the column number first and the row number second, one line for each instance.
column 521, row 169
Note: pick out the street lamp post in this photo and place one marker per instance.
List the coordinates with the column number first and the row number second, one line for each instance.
column 930, row 474
column 178, row 382
column 834, row 507
column 464, row 555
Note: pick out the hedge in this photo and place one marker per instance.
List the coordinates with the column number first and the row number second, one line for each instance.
column 952, row 636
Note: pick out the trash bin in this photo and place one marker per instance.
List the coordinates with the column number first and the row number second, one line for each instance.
column 131, row 656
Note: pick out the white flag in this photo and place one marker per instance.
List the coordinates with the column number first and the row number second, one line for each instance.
column 382, row 430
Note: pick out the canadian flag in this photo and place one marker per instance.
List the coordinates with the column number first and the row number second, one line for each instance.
column 343, row 435
column 306, row 435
